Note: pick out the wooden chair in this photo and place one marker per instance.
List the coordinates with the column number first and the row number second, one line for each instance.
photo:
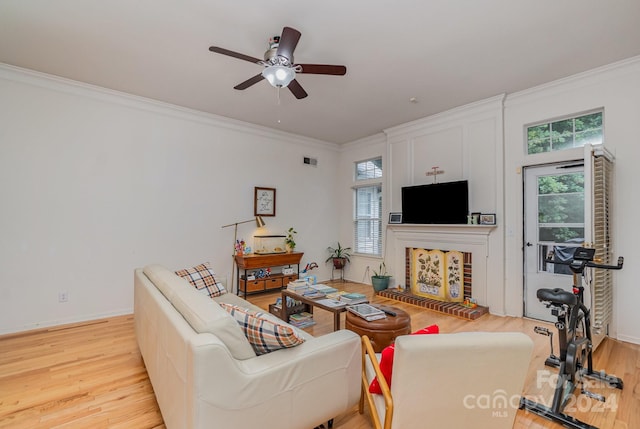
column 471, row 379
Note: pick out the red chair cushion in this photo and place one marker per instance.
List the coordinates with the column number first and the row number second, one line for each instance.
column 386, row 361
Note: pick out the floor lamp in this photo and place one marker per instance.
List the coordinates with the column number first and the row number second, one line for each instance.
column 259, row 223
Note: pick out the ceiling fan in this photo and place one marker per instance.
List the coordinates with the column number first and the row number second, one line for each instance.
column 279, row 68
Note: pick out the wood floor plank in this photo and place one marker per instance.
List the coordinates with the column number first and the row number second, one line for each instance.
column 91, row 375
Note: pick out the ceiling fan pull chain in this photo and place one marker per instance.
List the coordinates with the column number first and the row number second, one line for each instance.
column 279, row 104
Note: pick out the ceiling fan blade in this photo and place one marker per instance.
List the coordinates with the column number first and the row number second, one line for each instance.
column 229, row 53
column 297, row 90
column 249, row 82
column 323, row 69
column 288, row 42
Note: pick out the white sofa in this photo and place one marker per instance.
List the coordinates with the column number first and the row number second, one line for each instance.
column 205, row 374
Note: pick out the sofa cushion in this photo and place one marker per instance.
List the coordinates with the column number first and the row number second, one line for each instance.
column 203, row 314
column 233, row 299
column 263, row 334
column 203, row 278
column 386, row 360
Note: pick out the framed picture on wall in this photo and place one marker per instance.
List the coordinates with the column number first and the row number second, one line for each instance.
column 395, row 217
column 264, row 201
column 487, row 219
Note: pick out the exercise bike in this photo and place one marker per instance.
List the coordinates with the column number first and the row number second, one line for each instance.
column 575, row 360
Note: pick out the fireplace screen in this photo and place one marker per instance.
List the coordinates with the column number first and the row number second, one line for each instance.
column 437, row 274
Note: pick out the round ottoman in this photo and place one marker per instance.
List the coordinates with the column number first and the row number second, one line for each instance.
column 381, row 332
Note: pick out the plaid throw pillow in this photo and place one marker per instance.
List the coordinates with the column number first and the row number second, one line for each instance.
column 264, row 335
column 202, row 277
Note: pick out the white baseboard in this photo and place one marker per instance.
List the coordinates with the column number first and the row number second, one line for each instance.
column 629, row 339
column 50, row 323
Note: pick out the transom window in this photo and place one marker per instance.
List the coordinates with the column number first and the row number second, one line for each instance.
column 368, row 207
column 565, row 134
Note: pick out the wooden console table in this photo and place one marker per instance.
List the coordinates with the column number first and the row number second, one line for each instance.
column 255, row 262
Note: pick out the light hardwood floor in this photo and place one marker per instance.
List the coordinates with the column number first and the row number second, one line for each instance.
column 91, row 375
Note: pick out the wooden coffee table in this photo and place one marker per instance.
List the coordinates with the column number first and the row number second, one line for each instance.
column 286, row 311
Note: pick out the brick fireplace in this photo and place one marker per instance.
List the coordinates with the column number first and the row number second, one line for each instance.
column 470, row 240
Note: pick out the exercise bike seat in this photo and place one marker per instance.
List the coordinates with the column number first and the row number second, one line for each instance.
column 557, row 296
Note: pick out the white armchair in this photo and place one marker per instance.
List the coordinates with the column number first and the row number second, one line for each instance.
column 471, row 379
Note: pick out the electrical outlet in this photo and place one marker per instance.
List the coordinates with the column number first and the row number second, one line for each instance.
column 63, row 296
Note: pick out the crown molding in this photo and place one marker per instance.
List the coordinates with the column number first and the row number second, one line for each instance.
column 477, row 110
column 579, row 80
column 81, row 89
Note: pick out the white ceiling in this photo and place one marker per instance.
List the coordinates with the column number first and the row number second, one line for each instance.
column 445, row 53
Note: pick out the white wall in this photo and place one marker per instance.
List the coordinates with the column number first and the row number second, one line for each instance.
column 361, row 150
column 616, row 88
column 94, row 183
column 467, row 144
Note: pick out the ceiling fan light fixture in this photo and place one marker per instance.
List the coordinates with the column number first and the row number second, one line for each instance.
column 279, row 76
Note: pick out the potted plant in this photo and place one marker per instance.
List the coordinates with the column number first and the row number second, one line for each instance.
column 380, row 279
column 339, row 255
column 290, row 240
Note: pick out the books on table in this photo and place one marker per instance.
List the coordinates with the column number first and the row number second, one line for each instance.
column 311, row 293
column 349, row 298
column 317, row 291
column 302, row 320
column 298, row 286
column 323, row 288
column 333, row 303
column 353, row 298
column 367, row 312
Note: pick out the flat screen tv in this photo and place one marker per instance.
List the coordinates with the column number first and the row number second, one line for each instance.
column 439, row 203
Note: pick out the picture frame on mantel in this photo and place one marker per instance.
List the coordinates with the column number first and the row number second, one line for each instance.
column 395, row 217
column 264, row 201
column 487, row 219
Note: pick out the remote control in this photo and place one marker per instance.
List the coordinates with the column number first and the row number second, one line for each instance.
column 389, row 312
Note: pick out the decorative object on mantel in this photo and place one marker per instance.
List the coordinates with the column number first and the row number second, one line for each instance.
column 434, row 172
column 290, row 240
column 264, row 201
column 259, row 223
column 395, row 217
column 487, row 219
column 380, row 279
column 474, row 218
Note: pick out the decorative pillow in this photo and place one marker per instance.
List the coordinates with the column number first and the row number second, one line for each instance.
column 264, row 335
column 203, row 278
column 386, row 361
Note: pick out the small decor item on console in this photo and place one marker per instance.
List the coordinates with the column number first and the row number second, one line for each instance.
column 269, row 244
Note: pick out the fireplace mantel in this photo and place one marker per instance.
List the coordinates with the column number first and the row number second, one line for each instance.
column 443, row 229
column 464, row 238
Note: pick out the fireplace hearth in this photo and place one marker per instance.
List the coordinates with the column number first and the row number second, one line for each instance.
column 449, row 308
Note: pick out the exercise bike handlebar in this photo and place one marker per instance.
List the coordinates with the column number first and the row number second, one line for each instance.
column 590, row 263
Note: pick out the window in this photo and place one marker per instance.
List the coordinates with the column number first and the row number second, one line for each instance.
column 368, row 207
column 565, row 134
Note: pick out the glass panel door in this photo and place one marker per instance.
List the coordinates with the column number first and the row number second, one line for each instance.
column 554, row 227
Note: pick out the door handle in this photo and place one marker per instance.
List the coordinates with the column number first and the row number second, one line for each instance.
column 529, row 244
